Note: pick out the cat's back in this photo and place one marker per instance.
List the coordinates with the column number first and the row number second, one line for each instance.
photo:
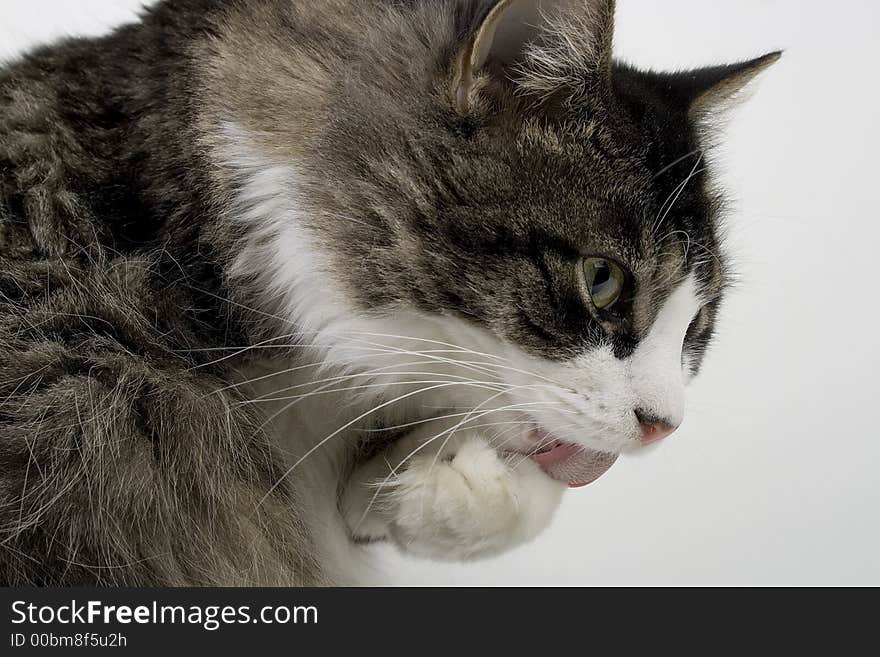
column 60, row 126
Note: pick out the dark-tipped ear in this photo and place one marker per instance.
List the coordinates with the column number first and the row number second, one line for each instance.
column 710, row 90
column 502, row 37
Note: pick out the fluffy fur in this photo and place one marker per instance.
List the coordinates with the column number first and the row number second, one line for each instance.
column 280, row 279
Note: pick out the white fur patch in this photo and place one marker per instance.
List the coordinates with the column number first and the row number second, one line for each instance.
column 656, row 369
column 279, row 253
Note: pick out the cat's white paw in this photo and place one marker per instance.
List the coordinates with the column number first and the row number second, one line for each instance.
column 462, row 503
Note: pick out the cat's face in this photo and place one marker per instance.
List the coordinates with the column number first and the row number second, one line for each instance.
column 545, row 216
column 591, row 265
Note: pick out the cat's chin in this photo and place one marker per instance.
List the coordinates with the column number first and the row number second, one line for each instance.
column 575, row 465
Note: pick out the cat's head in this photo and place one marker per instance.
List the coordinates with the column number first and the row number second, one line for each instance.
column 523, row 198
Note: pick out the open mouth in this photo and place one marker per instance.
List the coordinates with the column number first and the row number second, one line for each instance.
column 572, row 464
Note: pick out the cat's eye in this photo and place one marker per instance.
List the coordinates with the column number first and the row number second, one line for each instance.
column 605, row 281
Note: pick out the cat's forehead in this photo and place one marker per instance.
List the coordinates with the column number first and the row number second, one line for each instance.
column 603, row 194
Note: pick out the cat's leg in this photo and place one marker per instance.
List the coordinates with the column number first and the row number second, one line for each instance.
column 451, row 498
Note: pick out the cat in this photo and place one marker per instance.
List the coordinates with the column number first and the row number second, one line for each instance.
column 281, row 279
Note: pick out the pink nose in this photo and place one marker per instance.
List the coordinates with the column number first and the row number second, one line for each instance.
column 654, row 430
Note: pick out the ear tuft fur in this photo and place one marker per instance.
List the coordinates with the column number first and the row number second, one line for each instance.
column 544, row 45
column 574, row 53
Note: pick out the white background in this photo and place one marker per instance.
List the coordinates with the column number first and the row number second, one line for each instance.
column 773, row 479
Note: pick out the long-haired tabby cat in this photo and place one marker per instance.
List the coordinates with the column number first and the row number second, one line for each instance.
column 282, row 278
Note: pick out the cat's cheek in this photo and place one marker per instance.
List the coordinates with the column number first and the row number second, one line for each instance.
column 606, row 396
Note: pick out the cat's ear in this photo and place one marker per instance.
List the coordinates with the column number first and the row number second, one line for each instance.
column 709, row 91
column 503, row 36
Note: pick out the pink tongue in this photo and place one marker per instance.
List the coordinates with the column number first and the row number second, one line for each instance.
column 574, row 465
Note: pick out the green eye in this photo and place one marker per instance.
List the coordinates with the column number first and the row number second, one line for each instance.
column 605, row 281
